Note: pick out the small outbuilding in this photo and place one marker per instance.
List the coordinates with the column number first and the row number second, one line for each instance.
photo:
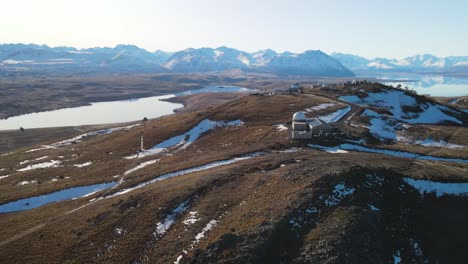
column 295, row 87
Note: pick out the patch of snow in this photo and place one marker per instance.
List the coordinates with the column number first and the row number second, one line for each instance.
column 402, row 154
column 83, row 164
column 49, row 164
column 17, row 62
column 27, row 182
column 141, row 166
column 4, row 176
column 207, row 228
column 218, row 53
column 371, row 113
column 335, row 116
column 281, row 127
column 179, row 258
column 440, row 144
column 43, row 147
column 397, row 258
column 433, row 114
column 24, row 162
column 163, row 227
column 335, row 150
column 379, row 65
column 373, row 208
column 191, row 218
column 184, row 140
column 293, row 223
column 244, row 59
column 382, row 129
column 338, row 194
column 461, row 63
column 80, row 52
column 438, row 188
column 312, row 210
column 38, row 159
column 119, row 231
column 416, row 248
column 319, row 107
column 290, row 150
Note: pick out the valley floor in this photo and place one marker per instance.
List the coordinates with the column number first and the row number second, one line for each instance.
column 222, row 182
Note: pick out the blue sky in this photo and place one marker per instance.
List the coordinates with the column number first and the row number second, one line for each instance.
column 368, row 28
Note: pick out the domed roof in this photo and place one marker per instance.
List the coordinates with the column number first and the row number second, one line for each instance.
column 299, row 116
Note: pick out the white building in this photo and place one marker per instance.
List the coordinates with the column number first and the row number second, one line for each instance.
column 295, row 87
column 307, row 128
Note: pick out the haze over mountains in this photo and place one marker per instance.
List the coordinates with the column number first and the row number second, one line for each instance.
column 31, row 58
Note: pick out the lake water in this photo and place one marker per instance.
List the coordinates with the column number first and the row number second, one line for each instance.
column 435, row 85
column 107, row 112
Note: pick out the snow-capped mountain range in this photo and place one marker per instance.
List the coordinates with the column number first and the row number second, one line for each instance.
column 132, row 59
column 31, row 58
column 426, row 63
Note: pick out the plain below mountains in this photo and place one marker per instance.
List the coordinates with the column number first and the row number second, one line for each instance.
column 31, row 58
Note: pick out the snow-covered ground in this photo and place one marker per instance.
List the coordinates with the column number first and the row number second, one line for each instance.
column 335, row 116
column 4, row 176
column 438, row 188
column 184, row 140
column 395, row 101
column 386, row 128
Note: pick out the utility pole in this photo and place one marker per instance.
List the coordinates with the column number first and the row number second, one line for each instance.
column 141, row 142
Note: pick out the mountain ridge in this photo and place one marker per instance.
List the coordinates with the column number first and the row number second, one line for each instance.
column 132, row 59
column 420, row 63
